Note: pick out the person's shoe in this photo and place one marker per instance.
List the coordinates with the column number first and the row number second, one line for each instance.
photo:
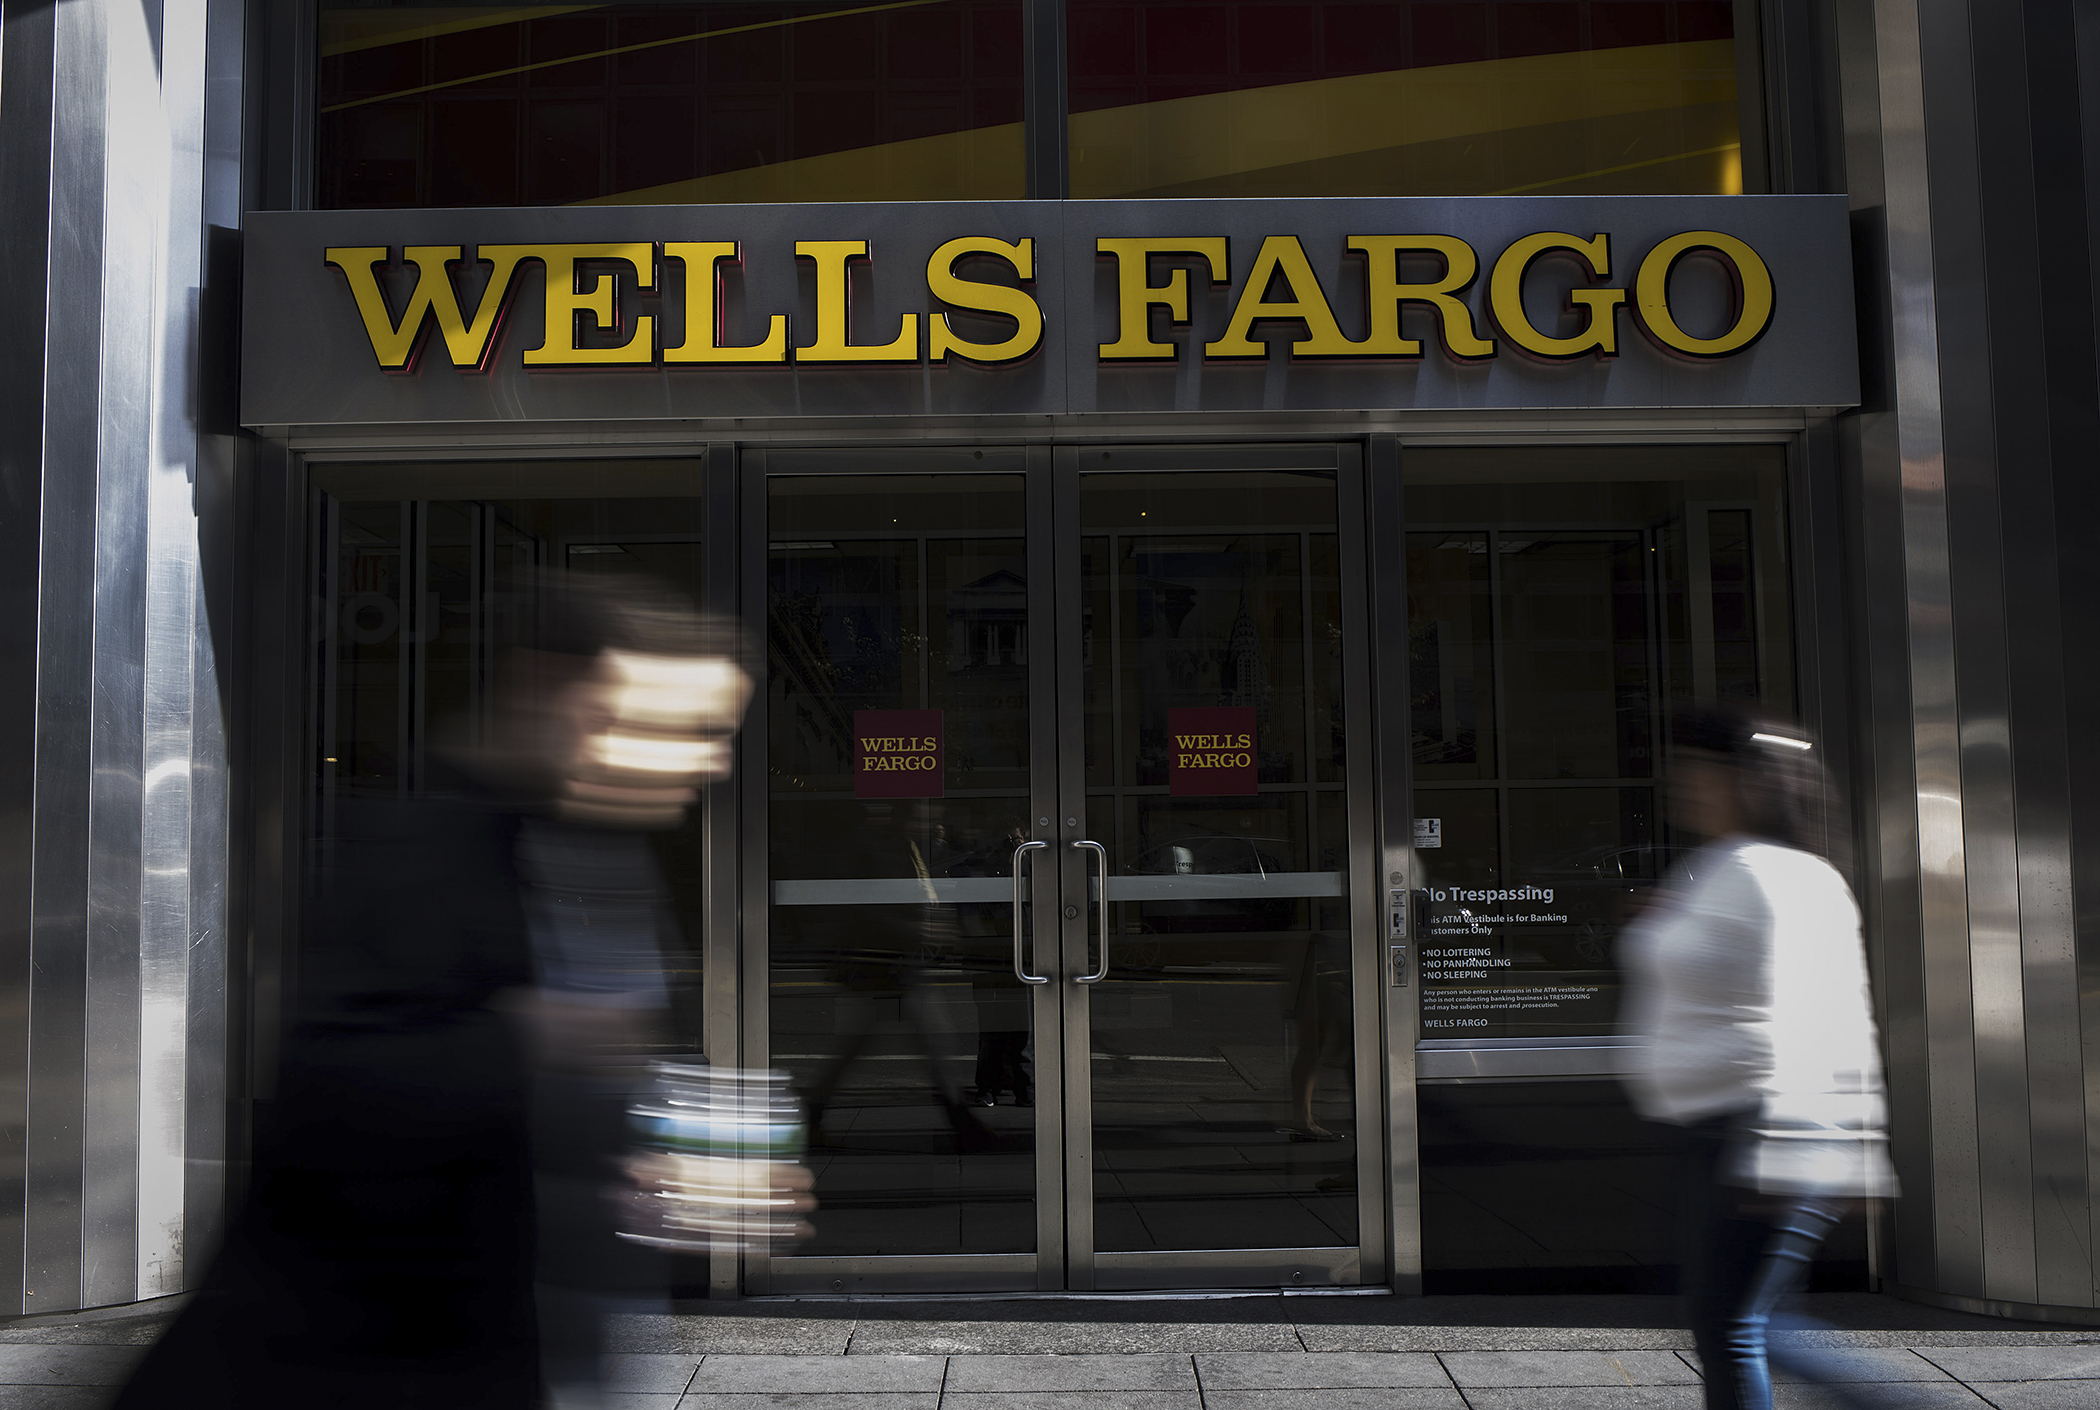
column 979, row 1096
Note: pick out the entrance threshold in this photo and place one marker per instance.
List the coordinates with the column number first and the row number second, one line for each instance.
column 1186, row 1295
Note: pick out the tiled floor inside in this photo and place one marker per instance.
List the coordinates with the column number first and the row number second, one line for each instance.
column 1234, row 1353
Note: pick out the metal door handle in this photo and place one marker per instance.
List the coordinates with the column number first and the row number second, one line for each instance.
column 1101, row 899
column 1021, row 970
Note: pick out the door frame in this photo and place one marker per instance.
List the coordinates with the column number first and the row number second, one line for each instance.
column 1064, row 1258
column 1043, row 1268
column 1090, row 1270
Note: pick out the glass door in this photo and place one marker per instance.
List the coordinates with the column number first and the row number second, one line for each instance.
column 1223, row 1123
column 1059, row 857
column 906, row 761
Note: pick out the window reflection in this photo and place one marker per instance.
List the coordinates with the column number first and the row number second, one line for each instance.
column 1406, row 97
column 669, row 103
column 1559, row 604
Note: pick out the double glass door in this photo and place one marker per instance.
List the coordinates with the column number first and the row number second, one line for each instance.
column 1068, row 937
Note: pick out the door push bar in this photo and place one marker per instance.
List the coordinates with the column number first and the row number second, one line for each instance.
column 1020, row 969
column 1101, row 901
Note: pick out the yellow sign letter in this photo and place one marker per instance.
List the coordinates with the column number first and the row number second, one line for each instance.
column 1746, row 271
column 600, row 303
column 834, row 333
column 1386, row 294
column 950, row 288
column 394, row 344
column 703, row 260
column 1307, row 304
column 1137, row 296
column 1506, row 296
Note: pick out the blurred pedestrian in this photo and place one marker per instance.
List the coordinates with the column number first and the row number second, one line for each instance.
column 1748, row 981
column 386, row 1253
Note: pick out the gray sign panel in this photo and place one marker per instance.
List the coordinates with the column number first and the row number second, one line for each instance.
column 312, row 358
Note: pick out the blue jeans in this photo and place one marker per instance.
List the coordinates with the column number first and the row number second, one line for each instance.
column 1743, row 1253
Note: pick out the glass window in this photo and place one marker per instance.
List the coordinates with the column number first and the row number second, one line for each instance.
column 1560, row 603
column 426, row 572
column 1403, row 97
column 676, row 102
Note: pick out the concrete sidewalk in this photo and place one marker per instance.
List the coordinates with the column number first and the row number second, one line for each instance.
column 1212, row 1353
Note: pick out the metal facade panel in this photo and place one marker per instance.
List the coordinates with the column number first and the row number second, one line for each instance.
column 103, row 121
column 307, row 359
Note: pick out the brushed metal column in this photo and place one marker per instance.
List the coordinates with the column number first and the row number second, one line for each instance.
column 115, row 807
column 1969, row 866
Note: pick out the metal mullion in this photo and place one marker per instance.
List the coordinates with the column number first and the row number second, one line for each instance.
column 749, row 1046
column 1048, row 170
column 1110, row 665
column 1658, row 701
column 1046, row 952
column 1070, row 819
column 1365, row 870
column 404, row 678
column 1305, row 677
column 725, row 976
column 327, row 549
column 415, row 611
column 1390, row 730
column 1495, row 664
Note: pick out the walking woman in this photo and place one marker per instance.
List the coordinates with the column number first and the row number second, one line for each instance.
column 1749, row 982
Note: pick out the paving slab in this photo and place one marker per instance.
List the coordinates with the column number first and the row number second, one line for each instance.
column 1062, row 1400
column 2040, row 1395
column 1141, row 1371
column 700, row 1333
column 1619, row 1397
column 55, row 1397
column 996, row 1338
column 1345, row 1398
column 138, row 1331
column 765, row 1375
column 2016, row 1363
column 624, row 1400
column 1887, row 1395
column 1485, row 1369
column 1850, row 1364
column 1327, row 1370
column 814, row 1400
column 637, row 1373
column 1409, row 1337
column 36, row 1364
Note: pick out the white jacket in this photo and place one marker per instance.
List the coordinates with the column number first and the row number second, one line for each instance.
column 1749, row 981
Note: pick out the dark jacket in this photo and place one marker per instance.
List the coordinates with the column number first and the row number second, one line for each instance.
column 385, row 1254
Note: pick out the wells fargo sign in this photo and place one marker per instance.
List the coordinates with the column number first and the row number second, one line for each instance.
column 713, row 313
column 898, row 754
column 581, row 325
column 1211, row 751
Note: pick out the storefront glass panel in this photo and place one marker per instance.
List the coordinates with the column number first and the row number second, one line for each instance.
column 1222, row 1042
column 1561, row 603
column 671, row 103
column 897, row 611
column 426, row 574
column 1060, row 949
column 1407, row 98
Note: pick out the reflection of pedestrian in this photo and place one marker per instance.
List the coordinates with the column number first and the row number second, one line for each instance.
column 1004, row 1063
column 1317, row 1004
column 883, row 952
column 1749, row 982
